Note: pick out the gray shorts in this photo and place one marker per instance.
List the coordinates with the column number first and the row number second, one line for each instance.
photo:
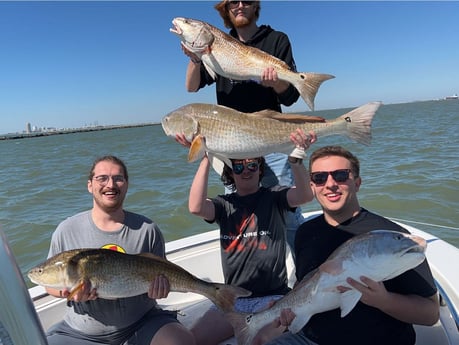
column 253, row 304
column 139, row 333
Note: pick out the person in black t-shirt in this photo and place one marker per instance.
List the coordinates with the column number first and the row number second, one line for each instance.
column 249, row 96
column 252, row 233
column 387, row 310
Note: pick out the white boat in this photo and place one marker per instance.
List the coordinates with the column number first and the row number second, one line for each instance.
column 191, row 252
column 452, row 97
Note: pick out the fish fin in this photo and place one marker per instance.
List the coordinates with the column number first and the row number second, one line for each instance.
column 197, row 148
column 218, row 163
column 359, row 122
column 293, row 118
column 242, row 325
column 348, row 300
column 299, row 322
column 225, row 296
column 308, row 84
column 151, row 256
column 333, row 267
column 210, row 70
column 75, row 290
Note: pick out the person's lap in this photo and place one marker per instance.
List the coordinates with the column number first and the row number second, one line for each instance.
column 140, row 333
column 220, row 328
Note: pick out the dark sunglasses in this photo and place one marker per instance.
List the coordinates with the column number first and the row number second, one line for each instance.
column 244, row 3
column 252, row 166
column 320, row 177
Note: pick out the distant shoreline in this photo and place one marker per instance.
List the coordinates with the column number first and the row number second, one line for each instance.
column 13, row 136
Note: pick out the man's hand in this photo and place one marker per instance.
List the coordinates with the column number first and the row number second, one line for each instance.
column 182, row 140
column 193, row 57
column 83, row 293
column 274, row 328
column 269, row 78
column 302, row 143
column 374, row 293
column 159, row 288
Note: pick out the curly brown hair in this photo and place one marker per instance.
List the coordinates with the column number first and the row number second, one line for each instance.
column 222, row 8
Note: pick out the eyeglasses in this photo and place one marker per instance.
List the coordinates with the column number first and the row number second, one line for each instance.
column 251, row 166
column 234, row 4
column 103, row 179
column 320, row 177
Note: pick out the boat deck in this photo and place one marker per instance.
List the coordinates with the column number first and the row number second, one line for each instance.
column 191, row 252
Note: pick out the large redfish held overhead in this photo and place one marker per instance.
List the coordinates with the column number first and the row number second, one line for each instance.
column 225, row 133
column 379, row 255
column 224, row 55
column 119, row 275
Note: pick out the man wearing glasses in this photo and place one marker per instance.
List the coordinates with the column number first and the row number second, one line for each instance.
column 386, row 311
column 250, row 96
column 92, row 320
column 252, row 232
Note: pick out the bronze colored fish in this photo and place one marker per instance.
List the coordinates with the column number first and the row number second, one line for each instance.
column 227, row 134
column 224, row 55
column 118, row 275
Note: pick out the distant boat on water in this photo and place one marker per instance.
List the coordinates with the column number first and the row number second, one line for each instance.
column 452, row 97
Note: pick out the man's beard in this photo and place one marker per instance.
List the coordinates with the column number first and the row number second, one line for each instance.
column 111, row 207
column 241, row 22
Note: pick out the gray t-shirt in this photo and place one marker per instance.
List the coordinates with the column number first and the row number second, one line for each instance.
column 138, row 235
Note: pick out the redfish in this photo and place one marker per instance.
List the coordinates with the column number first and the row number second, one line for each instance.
column 224, row 55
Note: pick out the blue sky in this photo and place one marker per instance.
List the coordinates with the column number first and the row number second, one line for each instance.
column 71, row 64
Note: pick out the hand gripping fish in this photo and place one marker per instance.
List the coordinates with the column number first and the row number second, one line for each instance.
column 119, row 275
column 226, row 134
column 379, row 255
column 224, row 55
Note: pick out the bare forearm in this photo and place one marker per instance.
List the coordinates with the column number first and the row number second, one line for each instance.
column 198, row 191
column 193, row 76
column 412, row 308
column 302, row 192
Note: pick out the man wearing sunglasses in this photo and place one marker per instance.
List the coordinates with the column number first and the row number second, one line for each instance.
column 386, row 311
column 249, row 96
column 252, row 232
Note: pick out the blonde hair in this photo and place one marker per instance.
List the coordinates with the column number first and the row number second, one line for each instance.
column 222, row 8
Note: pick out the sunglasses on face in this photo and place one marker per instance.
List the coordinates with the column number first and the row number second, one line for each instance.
column 238, row 167
column 234, row 4
column 321, row 177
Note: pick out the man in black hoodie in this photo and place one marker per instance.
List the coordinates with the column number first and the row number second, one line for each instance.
column 251, row 96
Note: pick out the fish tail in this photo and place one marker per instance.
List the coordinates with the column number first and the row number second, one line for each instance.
column 309, row 84
column 225, row 296
column 358, row 122
column 242, row 326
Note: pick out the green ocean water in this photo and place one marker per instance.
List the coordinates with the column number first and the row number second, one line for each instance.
column 410, row 171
